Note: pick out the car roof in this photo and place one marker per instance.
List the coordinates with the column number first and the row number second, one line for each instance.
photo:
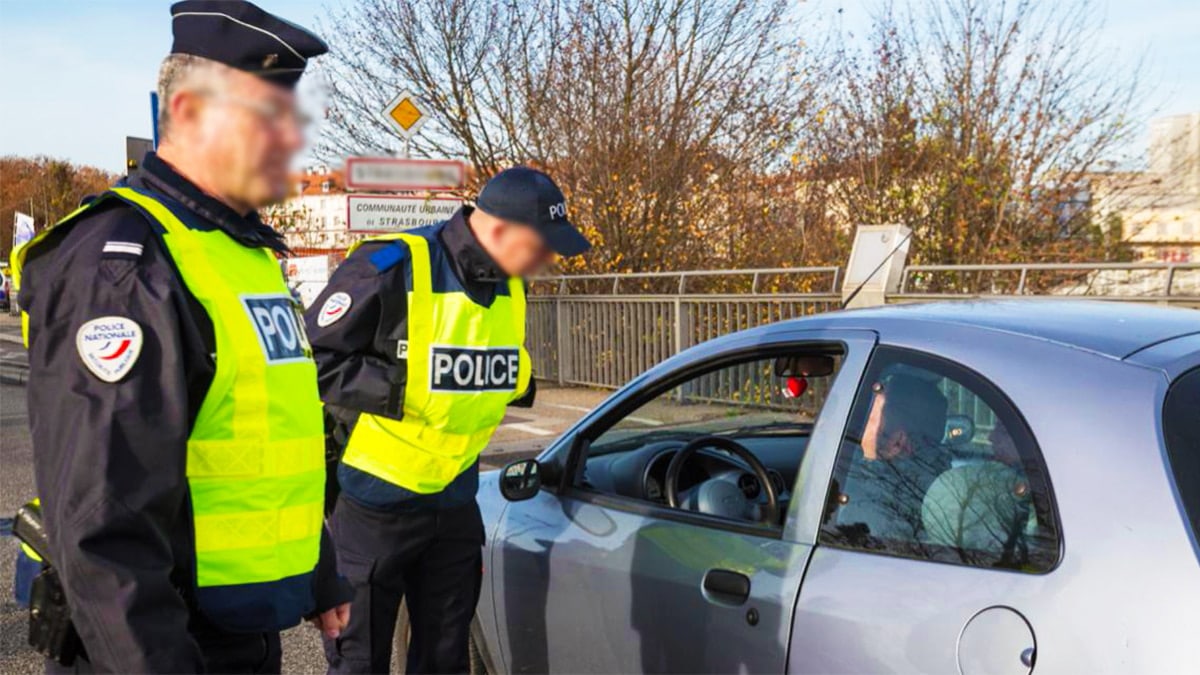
column 1116, row 329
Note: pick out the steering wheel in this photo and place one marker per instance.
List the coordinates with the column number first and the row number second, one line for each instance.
column 770, row 513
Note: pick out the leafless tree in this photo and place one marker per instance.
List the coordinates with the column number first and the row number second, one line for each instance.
column 658, row 117
column 981, row 124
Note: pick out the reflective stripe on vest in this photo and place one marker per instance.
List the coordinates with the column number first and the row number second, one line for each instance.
column 255, row 455
column 465, row 364
column 25, row 548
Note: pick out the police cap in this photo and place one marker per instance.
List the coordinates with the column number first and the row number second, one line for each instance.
column 243, row 36
column 528, row 196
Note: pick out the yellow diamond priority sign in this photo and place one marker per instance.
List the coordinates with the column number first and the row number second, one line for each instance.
column 405, row 114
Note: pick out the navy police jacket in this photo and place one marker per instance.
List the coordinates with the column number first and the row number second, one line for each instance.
column 356, row 354
column 110, row 458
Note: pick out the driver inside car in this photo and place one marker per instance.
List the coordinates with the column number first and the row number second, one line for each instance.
column 899, row 456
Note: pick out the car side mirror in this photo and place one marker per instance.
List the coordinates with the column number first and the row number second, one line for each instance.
column 520, row 480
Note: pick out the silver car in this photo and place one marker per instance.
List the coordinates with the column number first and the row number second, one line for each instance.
column 984, row 487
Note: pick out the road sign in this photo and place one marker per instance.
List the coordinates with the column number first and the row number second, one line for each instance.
column 406, row 114
column 392, row 213
column 135, row 151
column 386, row 173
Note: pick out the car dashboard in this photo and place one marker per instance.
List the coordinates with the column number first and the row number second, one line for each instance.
column 640, row 473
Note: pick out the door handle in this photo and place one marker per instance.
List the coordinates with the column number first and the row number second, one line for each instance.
column 727, row 586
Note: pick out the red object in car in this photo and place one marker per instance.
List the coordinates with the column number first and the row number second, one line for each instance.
column 795, row 387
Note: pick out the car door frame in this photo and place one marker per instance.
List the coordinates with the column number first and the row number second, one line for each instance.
column 561, row 460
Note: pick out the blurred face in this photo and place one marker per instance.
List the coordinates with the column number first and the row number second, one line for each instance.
column 243, row 132
column 883, row 443
column 518, row 249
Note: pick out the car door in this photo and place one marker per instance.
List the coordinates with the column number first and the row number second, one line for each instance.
column 589, row 580
column 930, row 550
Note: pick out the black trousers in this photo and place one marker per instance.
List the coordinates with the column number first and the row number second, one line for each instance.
column 249, row 653
column 433, row 560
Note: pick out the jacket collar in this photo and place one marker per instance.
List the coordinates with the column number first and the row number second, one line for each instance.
column 248, row 230
column 472, row 263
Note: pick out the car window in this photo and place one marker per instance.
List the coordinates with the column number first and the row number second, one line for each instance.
column 936, row 464
column 741, row 396
column 767, row 403
column 1181, row 428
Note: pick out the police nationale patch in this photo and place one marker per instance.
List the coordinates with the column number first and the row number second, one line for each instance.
column 109, row 346
column 334, row 308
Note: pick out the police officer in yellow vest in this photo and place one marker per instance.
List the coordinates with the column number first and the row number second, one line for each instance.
column 177, row 429
column 419, row 339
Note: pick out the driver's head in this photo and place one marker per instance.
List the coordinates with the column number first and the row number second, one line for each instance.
column 907, row 413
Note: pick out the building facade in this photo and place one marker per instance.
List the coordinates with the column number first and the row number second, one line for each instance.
column 313, row 219
column 1158, row 209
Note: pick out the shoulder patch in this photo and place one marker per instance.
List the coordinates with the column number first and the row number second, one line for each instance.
column 109, row 346
column 334, row 309
column 389, row 256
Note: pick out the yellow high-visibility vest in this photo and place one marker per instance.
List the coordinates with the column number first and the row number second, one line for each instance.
column 255, row 455
column 465, row 364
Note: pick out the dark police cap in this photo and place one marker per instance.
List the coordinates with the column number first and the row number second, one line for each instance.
column 243, row 36
column 528, row 196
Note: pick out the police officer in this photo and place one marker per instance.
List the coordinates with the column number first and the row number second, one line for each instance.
column 419, row 342
column 177, row 429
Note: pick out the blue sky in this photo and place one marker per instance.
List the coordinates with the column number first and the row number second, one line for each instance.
column 76, row 74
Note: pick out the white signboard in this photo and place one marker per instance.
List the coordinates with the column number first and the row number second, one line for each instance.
column 876, row 264
column 386, row 173
column 308, row 275
column 387, row 213
column 308, row 268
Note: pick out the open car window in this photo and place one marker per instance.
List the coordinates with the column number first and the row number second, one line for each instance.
column 757, row 396
column 767, row 402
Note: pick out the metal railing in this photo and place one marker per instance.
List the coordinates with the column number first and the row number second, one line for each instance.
column 1118, row 281
column 603, row 341
column 603, row 329
column 738, row 280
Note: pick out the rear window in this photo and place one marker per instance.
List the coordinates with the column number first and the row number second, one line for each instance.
column 1181, row 425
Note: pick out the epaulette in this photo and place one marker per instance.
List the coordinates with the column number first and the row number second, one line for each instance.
column 126, row 240
column 388, row 256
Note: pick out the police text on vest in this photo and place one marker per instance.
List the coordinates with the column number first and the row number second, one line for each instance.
column 465, row 369
column 279, row 330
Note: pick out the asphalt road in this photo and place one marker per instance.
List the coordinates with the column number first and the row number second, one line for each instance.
column 524, row 433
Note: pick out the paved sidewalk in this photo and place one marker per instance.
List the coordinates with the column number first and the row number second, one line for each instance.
column 14, row 367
